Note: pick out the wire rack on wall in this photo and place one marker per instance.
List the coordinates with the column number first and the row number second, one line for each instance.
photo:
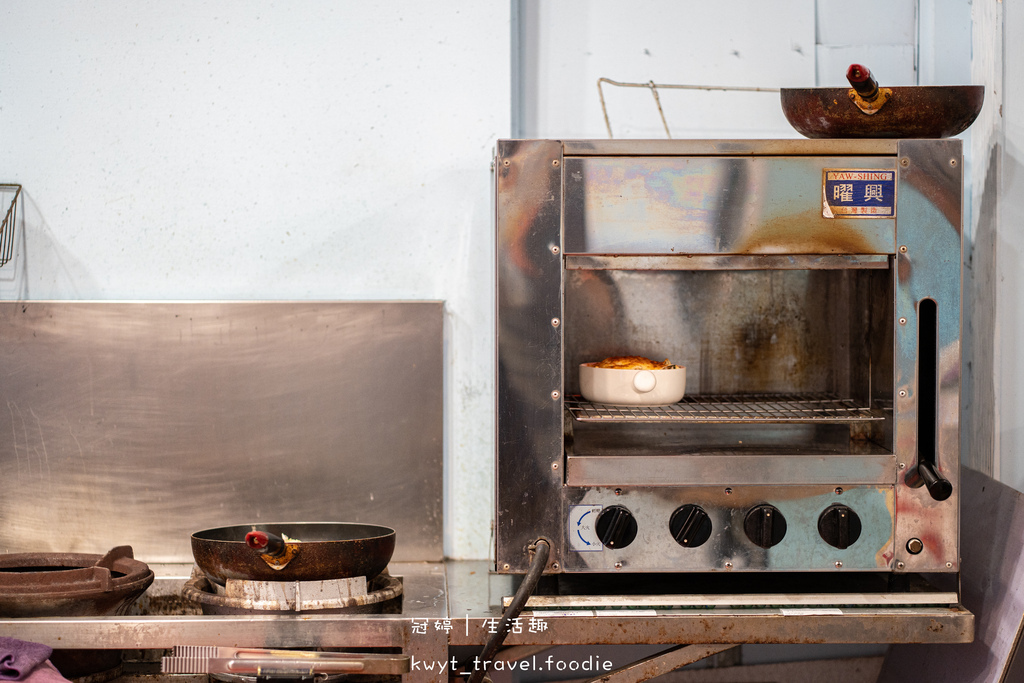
column 10, row 219
column 653, row 87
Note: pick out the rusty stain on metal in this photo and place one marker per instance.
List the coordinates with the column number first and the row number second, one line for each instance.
column 279, row 562
column 802, row 233
column 870, row 107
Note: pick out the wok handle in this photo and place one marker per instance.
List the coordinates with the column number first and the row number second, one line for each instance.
column 266, row 543
column 862, row 81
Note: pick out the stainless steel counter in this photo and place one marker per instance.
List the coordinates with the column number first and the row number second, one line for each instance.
column 424, row 598
column 459, row 603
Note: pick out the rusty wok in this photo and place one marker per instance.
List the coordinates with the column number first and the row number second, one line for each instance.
column 313, row 551
column 867, row 111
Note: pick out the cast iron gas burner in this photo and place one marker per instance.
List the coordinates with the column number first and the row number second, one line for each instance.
column 335, row 596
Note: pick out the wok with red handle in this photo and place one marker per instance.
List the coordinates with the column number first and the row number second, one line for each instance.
column 866, row 110
column 298, row 551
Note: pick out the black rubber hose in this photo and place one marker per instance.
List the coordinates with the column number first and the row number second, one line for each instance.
column 540, row 560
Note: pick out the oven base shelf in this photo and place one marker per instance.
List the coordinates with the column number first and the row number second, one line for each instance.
column 732, row 408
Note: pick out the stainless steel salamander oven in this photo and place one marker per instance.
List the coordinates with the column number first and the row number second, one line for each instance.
column 811, row 289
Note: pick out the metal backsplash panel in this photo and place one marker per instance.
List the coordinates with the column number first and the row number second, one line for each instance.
column 140, row 423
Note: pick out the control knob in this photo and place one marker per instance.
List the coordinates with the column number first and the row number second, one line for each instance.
column 839, row 526
column 765, row 525
column 616, row 527
column 690, row 526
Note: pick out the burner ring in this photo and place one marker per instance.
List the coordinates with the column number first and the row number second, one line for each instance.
column 382, row 589
column 71, row 584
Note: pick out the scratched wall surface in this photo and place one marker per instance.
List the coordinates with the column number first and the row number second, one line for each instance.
column 141, row 423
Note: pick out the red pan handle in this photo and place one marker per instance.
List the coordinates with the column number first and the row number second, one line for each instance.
column 265, row 543
column 862, row 81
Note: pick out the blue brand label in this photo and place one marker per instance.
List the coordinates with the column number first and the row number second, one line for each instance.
column 853, row 193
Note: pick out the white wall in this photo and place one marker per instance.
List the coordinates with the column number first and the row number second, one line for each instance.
column 568, row 45
column 1009, row 373
column 260, row 150
column 980, row 237
column 995, row 272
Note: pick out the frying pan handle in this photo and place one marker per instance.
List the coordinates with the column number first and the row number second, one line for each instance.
column 862, row 81
column 266, row 543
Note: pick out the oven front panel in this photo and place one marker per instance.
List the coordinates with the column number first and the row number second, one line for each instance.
column 728, row 547
column 715, row 205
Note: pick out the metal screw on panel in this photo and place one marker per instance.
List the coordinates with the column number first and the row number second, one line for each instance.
column 839, row 565
column 839, row 490
column 506, row 162
column 728, row 565
column 555, row 394
column 554, row 465
column 949, row 565
column 555, row 249
column 903, row 321
column 555, row 163
column 554, row 565
column 618, row 492
column 903, row 465
column 728, row 491
column 904, row 162
column 915, row 546
column 900, row 565
column 903, row 249
column 555, row 322
column 618, row 565
column 903, row 393
column 952, row 162
column 506, row 566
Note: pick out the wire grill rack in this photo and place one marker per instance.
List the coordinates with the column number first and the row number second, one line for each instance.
column 10, row 218
column 731, row 408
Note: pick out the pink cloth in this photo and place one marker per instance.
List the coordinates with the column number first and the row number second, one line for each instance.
column 44, row 673
column 19, row 657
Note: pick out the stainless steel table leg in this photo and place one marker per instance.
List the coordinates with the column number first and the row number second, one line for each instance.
column 661, row 663
column 429, row 653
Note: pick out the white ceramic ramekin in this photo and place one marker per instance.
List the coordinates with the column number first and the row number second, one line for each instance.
column 632, row 387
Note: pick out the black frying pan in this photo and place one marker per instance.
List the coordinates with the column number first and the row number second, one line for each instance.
column 327, row 550
column 898, row 112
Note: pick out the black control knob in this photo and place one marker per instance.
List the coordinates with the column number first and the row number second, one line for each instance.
column 690, row 526
column 839, row 526
column 765, row 525
column 616, row 527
